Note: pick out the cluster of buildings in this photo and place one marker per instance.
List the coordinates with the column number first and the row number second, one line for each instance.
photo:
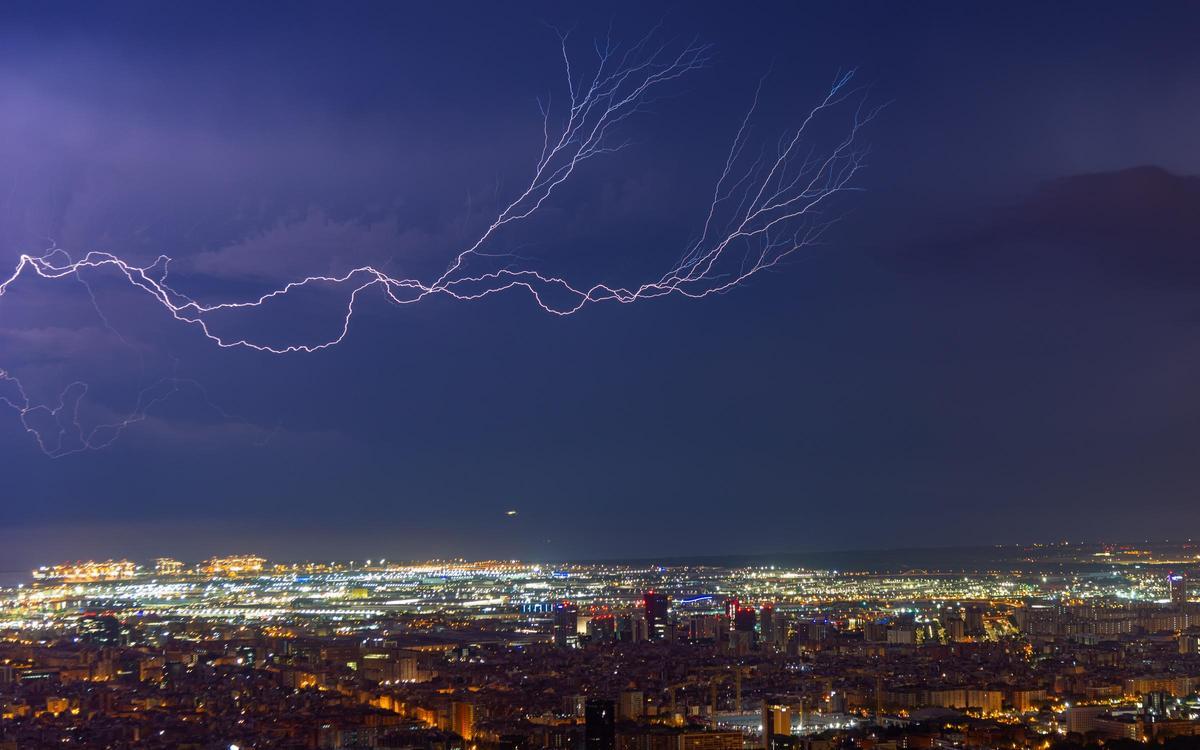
column 238, row 652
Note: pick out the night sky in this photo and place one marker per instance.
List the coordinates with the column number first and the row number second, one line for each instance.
column 997, row 343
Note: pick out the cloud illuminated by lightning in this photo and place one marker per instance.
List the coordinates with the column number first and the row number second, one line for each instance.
column 764, row 208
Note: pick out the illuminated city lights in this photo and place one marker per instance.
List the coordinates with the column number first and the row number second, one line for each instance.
column 713, row 656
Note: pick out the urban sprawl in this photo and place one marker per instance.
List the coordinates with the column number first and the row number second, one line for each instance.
column 1033, row 646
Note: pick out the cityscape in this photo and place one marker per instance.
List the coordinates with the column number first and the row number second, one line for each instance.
column 599, row 375
column 1032, row 647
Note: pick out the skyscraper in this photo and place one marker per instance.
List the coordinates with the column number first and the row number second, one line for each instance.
column 772, row 630
column 602, row 628
column 745, row 619
column 657, row 611
column 974, row 620
column 743, row 636
column 599, row 729
column 766, row 622
column 462, row 719
column 566, row 624
column 631, row 628
column 1177, row 584
column 776, row 725
column 705, row 627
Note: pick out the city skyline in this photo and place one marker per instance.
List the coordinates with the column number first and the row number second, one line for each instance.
column 1041, row 646
column 461, row 375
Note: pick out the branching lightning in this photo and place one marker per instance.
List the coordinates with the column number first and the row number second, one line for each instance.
column 765, row 208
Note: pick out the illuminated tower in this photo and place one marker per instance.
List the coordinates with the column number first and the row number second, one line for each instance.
column 1178, row 587
column 462, row 719
column 566, row 624
column 742, row 637
column 767, row 625
column 657, row 609
column 776, row 724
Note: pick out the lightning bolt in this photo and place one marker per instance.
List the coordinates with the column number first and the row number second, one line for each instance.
column 764, row 209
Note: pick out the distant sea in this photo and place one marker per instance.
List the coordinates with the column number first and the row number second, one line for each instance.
column 962, row 559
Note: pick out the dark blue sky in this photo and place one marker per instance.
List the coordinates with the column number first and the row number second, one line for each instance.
column 997, row 342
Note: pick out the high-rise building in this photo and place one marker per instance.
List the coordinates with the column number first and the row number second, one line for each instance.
column 743, row 636
column 574, row 705
column 599, row 725
column 704, row 627
column 740, row 642
column 974, row 620
column 954, row 627
column 657, row 608
column 631, row 628
column 462, row 719
column 876, row 632
column 1177, row 584
column 766, row 624
column 631, row 705
column 903, row 634
column 776, row 724
column 566, row 628
column 602, row 628
column 744, row 620
column 1189, row 643
column 818, row 631
column 1157, row 703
